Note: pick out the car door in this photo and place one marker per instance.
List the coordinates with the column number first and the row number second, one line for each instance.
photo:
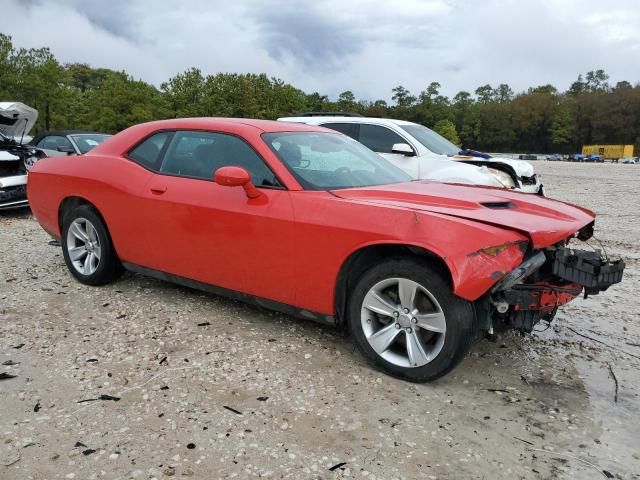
column 215, row 234
column 381, row 140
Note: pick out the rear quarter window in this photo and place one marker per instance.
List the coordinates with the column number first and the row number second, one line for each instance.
column 148, row 152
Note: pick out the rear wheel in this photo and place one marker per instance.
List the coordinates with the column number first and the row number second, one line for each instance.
column 87, row 248
column 406, row 320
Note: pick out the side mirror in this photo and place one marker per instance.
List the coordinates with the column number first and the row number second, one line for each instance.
column 66, row 149
column 403, row 149
column 236, row 177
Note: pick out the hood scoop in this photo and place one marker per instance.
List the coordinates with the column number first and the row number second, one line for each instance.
column 498, row 205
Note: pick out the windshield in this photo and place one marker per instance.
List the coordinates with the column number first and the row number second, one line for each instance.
column 326, row 161
column 86, row 142
column 434, row 142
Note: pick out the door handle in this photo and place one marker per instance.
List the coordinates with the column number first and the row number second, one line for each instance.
column 158, row 189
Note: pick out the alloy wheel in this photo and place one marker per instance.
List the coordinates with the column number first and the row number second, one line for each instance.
column 403, row 322
column 83, row 246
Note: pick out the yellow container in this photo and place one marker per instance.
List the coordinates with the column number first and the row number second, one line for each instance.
column 609, row 151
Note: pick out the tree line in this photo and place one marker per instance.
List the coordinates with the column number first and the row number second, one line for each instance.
column 542, row 119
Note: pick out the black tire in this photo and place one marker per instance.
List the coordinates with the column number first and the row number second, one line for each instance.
column 109, row 267
column 458, row 314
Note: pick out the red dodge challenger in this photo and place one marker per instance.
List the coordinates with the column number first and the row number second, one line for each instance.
column 307, row 221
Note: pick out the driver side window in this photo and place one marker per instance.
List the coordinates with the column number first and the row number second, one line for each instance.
column 199, row 154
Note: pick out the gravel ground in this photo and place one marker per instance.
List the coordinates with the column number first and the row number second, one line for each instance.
column 185, row 384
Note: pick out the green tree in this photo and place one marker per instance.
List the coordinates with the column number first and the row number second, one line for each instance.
column 347, row 101
column 447, row 129
column 562, row 127
column 597, row 80
column 485, row 93
column 503, row 93
column 402, row 97
column 577, row 87
column 432, row 106
column 317, row 102
column 623, row 85
column 185, row 93
column 460, row 106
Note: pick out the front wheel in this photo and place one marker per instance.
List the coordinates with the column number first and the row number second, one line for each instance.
column 406, row 320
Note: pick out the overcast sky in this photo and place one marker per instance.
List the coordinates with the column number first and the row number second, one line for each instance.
column 367, row 46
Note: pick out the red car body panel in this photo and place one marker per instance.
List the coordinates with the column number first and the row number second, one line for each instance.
column 289, row 245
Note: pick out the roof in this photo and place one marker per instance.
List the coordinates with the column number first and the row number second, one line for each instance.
column 329, row 114
column 218, row 122
column 317, row 120
column 121, row 142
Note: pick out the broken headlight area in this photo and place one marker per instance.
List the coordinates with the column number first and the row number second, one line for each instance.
column 547, row 279
column 15, row 162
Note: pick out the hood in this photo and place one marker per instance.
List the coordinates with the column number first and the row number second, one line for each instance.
column 545, row 221
column 522, row 168
column 444, row 170
column 16, row 118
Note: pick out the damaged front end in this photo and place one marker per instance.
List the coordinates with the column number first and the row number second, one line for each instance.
column 16, row 158
column 15, row 161
column 546, row 279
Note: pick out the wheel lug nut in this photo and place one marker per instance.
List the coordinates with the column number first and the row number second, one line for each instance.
column 406, row 310
column 414, row 320
column 395, row 314
column 408, row 329
column 397, row 325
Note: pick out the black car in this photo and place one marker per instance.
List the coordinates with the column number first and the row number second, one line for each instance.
column 67, row 142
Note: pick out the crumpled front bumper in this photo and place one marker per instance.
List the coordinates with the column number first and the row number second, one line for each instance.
column 562, row 275
column 590, row 269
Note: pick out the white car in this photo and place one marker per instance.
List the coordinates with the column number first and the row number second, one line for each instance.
column 16, row 158
column 424, row 154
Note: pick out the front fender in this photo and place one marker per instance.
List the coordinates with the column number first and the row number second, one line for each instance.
column 475, row 273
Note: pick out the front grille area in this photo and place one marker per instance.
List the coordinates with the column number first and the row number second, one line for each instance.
column 529, row 180
column 12, row 194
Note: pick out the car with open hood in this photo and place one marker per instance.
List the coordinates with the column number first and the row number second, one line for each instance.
column 425, row 154
column 307, row 221
column 16, row 158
